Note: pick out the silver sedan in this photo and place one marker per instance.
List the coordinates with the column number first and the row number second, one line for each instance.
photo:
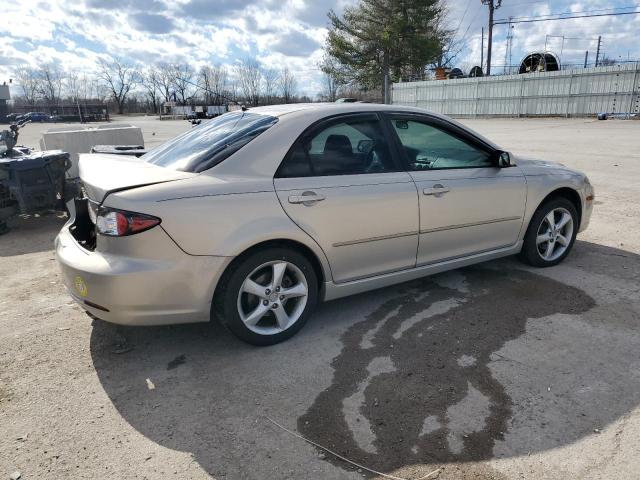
column 255, row 216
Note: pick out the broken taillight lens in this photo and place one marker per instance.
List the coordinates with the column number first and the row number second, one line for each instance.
column 120, row 223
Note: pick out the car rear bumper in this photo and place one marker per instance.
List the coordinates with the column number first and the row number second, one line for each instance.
column 159, row 287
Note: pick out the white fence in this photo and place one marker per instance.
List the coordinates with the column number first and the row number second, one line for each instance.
column 568, row 93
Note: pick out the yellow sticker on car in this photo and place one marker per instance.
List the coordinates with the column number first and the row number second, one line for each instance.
column 81, row 286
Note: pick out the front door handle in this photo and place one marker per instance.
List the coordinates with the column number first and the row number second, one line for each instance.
column 437, row 190
column 307, row 198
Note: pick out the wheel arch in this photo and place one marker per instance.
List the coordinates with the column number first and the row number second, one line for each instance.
column 563, row 192
column 295, row 245
column 570, row 194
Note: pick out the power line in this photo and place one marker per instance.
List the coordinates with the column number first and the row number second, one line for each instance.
column 595, row 10
column 462, row 19
column 532, row 20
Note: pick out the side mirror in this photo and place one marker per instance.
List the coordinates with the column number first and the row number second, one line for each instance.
column 501, row 159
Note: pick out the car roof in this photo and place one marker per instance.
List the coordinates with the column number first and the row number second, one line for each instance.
column 332, row 108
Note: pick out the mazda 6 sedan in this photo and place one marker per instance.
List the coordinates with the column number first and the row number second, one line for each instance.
column 254, row 217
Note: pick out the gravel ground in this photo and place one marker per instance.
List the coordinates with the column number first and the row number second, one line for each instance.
column 493, row 372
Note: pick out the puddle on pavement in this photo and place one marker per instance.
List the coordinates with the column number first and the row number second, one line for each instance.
column 412, row 383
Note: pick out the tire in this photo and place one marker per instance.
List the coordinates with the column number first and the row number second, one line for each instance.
column 561, row 237
column 239, row 302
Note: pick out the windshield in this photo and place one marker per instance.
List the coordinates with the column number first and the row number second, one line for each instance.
column 208, row 144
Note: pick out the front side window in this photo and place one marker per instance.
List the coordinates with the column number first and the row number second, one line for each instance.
column 430, row 148
column 208, row 144
column 349, row 147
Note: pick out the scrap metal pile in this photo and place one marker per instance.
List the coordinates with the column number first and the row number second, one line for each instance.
column 30, row 182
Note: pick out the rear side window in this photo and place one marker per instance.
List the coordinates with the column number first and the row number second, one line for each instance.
column 208, row 144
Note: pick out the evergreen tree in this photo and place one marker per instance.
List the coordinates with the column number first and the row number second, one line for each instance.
column 380, row 37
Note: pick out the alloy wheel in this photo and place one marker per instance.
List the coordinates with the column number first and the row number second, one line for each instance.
column 272, row 297
column 554, row 234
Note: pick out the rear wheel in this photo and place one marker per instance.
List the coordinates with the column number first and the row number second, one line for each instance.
column 267, row 297
column 551, row 233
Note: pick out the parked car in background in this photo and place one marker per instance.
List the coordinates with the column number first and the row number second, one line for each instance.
column 255, row 216
column 35, row 117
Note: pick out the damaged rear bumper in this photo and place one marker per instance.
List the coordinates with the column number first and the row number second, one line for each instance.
column 150, row 281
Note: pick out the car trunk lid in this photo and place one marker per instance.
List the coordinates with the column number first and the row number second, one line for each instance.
column 102, row 174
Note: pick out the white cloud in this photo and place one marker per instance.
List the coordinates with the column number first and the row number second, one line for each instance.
column 277, row 32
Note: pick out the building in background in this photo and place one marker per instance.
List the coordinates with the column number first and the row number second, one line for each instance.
column 5, row 96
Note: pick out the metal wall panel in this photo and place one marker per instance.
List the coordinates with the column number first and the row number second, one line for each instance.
column 579, row 92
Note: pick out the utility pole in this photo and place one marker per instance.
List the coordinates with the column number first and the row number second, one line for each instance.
column 586, row 58
column 482, row 51
column 493, row 6
column 598, row 50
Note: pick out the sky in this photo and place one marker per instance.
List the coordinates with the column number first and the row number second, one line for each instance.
column 76, row 34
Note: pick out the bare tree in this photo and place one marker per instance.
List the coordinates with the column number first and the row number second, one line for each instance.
column 219, row 83
column 28, row 80
column 164, row 78
column 50, row 81
column 249, row 75
column 182, row 80
column 231, row 91
column 72, row 85
column 270, row 77
column 332, row 80
column 85, row 87
column 102, row 91
column 213, row 81
column 119, row 78
column 287, row 83
column 204, row 80
column 331, row 85
column 150, row 82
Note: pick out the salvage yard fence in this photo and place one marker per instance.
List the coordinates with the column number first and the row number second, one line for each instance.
column 614, row 90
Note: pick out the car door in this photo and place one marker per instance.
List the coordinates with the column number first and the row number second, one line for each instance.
column 467, row 204
column 344, row 186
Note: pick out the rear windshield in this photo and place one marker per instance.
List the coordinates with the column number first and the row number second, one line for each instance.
column 208, row 144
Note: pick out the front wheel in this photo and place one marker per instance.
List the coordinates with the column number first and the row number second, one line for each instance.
column 551, row 233
column 267, row 297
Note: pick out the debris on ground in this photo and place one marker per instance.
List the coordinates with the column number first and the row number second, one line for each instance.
column 176, row 362
column 150, row 385
column 122, row 348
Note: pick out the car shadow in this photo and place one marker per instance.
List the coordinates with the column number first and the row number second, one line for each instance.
column 492, row 361
column 31, row 233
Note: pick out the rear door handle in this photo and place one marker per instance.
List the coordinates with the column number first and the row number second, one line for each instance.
column 437, row 190
column 307, row 198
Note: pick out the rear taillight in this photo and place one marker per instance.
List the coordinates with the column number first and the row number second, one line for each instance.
column 119, row 223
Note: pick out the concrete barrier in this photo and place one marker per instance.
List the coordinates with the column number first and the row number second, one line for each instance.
column 79, row 139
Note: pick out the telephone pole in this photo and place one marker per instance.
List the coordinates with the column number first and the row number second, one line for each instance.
column 598, row 50
column 482, row 51
column 493, row 6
